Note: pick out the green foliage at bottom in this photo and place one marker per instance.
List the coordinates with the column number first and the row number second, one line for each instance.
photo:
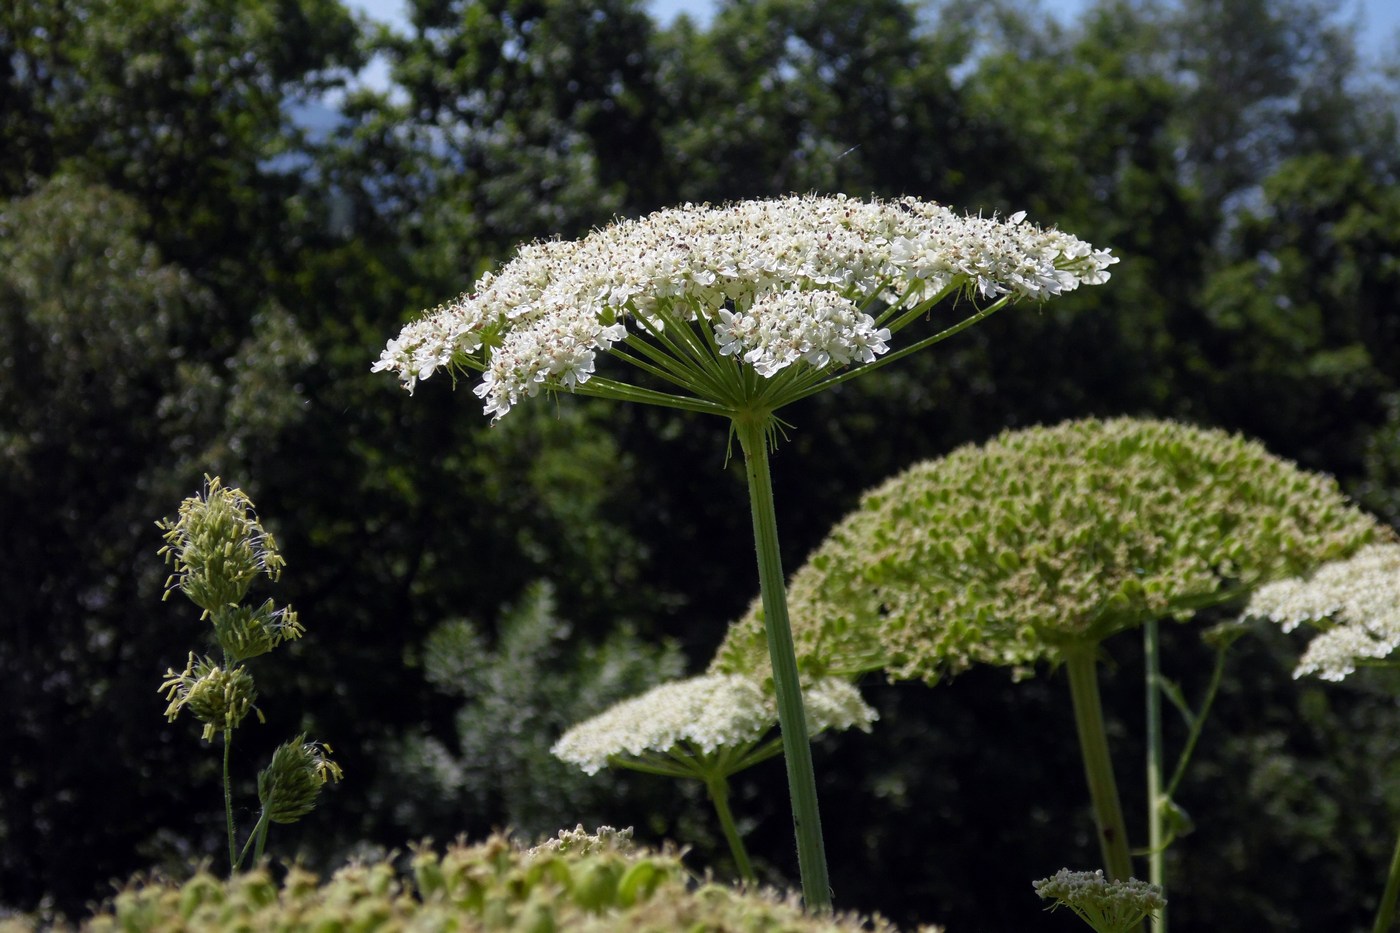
column 576, row 882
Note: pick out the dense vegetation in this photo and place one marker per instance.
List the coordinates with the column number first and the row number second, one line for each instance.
column 192, row 282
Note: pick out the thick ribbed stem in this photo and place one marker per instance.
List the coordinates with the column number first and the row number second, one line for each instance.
column 1156, row 842
column 1098, row 767
column 797, row 751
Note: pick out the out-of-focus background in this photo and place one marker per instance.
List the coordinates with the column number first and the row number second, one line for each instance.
column 214, row 213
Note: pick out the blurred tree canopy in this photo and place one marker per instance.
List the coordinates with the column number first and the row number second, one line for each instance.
column 195, row 277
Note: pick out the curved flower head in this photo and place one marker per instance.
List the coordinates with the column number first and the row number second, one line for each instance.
column 750, row 304
column 289, row 786
column 1356, row 603
column 689, row 727
column 1107, row 906
column 1002, row 552
column 218, row 547
column 248, row 631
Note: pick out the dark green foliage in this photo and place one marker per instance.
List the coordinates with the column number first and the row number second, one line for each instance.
column 516, row 697
column 189, row 284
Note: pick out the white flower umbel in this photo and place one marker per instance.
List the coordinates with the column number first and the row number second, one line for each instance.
column 824, row 282
column 708, row 728
column 737, row 311
column 687, row 727
column 1356, row 603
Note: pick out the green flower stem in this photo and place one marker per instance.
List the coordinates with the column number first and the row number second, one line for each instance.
column 718, row 787
column 258, row 836
column 792, row 720
column 1156, row 844
column 228, row 805
column 1385, row 913
column 1098, row 767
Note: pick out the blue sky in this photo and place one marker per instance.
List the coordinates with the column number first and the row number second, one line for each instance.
column 1379, row 19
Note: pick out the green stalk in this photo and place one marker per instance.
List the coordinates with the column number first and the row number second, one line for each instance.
column 258, row 836
column 1098, row 767
column 1156, row 856
column 1385, row 913
column 718, row 786
column 792, row 720
column 228, row 805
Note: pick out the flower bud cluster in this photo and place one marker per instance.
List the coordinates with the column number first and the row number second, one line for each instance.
column 543, row 318
column 1355, row 601
column 705, row 713
column 289, row 785
column 492, row 885
column 1107, row 906
column 218, row 547
column 218, row 698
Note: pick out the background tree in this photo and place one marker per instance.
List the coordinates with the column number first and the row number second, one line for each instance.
column 191, row 280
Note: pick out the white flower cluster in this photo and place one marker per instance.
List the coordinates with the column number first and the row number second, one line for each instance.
column 820, row 328
column 1359, row 598
column 543, row 318
column 707, row 713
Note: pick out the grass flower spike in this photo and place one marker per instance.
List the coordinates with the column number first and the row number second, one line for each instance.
column 737, row 311
column 1355, row 601
column 219, row 548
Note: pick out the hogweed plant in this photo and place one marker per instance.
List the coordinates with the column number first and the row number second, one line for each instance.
column 218, row 548
column 1356, row 605
column 1041, row 544
column 708, row 728
column 738, row 311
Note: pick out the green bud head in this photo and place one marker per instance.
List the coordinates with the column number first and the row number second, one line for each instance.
column 218, row 698
column 217, row 547
column 289, row 786
column 246, row 631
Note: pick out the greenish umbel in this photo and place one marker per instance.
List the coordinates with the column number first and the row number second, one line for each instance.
column 577, row 882
column 1040, row 544
column 1107, row 906
column 218, row 548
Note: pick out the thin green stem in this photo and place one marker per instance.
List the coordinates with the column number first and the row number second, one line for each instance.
column 1196, row 721
column 792, row 720
column 1156, row 844
column 258, row 834
column 1385, row 913
column 1098, row 766
column 718, row 786
column 228, row 804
